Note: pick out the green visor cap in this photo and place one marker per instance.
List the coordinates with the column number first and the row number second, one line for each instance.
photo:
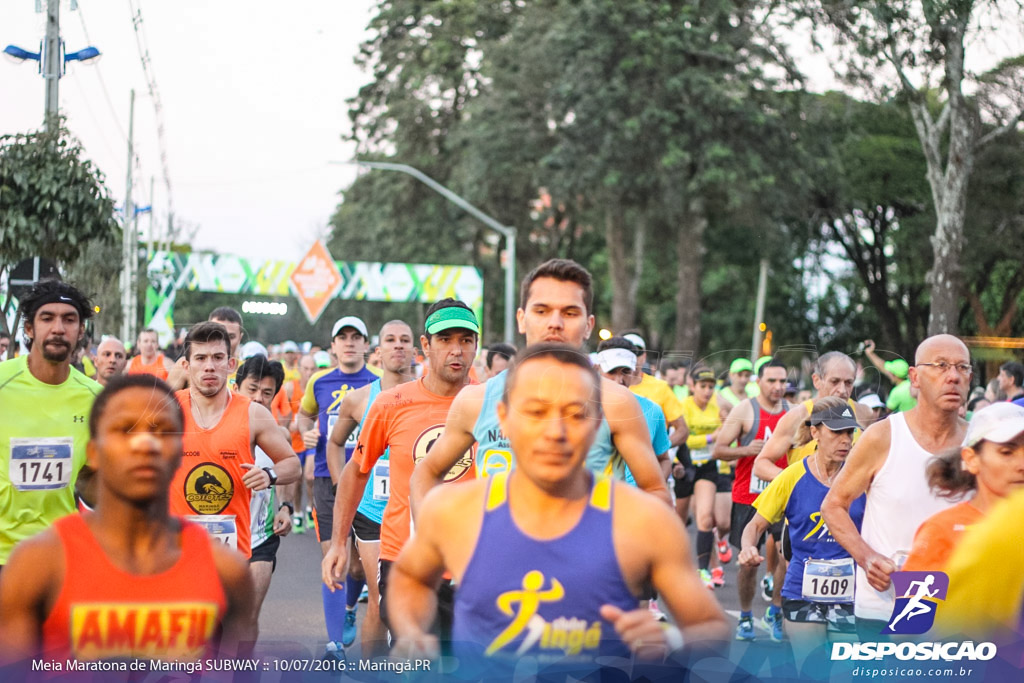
column 450, row 318
column 741, row 365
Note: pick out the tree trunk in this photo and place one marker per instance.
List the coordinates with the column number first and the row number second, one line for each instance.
column 689, row 253
column 625, row 263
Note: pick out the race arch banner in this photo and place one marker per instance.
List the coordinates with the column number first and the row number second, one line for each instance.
column 170, row 272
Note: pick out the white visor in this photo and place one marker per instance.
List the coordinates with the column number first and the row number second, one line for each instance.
column 609, row 359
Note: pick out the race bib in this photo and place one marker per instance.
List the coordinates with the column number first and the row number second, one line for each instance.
column 700, row 456
column 39, row 464
column 222, row 528
column 494, row 461
column 331, row 419
column 829, row 580
column 382, row 480
column 353, row 438
column 757, row 485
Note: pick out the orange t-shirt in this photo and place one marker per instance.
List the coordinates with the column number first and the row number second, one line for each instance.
column 207, row 488
column 104, row 612
column 408, row 419
column 295, row 404
column 937, row 537
column 279, row 406
column 157, row 368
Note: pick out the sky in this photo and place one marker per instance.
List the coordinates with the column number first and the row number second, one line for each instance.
column 253, row 97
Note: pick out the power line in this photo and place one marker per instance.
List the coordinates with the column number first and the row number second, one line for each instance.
column 99, row 74
column 154, row 93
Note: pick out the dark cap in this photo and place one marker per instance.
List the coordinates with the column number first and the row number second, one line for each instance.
column 704, row 375
column 837, row 418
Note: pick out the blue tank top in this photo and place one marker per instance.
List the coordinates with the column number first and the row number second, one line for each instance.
column 368, row 506
column 522, row 596
column 494, row 454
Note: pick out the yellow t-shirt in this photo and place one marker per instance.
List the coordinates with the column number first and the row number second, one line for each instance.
column 986, row 575
column 701, row 423
column 660, row 392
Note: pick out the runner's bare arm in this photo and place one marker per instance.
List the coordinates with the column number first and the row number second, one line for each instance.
column 740, row 418
column 308, row 428
column 755, row 527
column 373, row 441
column 28, row 588
column 240, row 631
column 413, row 582
column 865, row 460
column 650, row 540
column 177, row 374
column 455, row 440
column 273, row 439
column 349, row 412
column 631, row 438
column 680, row 432
column 779, row 443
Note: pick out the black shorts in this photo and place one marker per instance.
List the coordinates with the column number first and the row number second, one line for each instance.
column 725, row 482
column 267, row 551
column 365, row 529
column 683, row 486
column 836, row 617
column 323, row 507
column 442, row 626
column 741, row 516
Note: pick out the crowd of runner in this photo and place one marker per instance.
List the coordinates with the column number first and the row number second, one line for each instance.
column 493, row 503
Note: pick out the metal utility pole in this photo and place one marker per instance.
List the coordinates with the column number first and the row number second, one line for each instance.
column 52, row 61
column 762, row 285
column 129, row 243
column 507, row 231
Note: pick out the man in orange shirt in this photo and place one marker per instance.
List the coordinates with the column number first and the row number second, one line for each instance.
column 408, row 419
column 222, row 430
column 149, row 360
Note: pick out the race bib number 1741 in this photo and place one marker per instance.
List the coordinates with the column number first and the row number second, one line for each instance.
column 38, row 464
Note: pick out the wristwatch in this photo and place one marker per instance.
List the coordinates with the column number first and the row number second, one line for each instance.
column 271, row 474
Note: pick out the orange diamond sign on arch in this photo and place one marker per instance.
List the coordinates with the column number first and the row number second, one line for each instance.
column 315, row 281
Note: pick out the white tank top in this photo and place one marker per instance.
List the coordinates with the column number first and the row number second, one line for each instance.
column 898, row 501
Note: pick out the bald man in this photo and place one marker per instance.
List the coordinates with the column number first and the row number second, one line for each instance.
column 111, row 359
column 888, row 462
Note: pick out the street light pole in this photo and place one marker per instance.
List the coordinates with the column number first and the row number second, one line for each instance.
column 129, row 242
column 52, row 61
column 508, row 232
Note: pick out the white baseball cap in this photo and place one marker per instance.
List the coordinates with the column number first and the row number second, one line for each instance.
column 998, row 423
column 350, row 321
column 609, row 359
column 289, row 347
column 636, row 340
column 253, row 348
column 871, row 401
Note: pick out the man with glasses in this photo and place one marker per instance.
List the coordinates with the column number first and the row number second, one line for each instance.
column 888, row 462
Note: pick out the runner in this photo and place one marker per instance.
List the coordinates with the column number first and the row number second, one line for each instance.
column 259, row 380
column 321, row 402
column 111, row 359
column 64, row 590
column 290, row 360
column 1011, row 380
column 149, row 361
column 497, row 359
column 900, row 396
column 986, row 579
column 213, row 487
column 302, row 490
column 990, row 465
column 556, row 300
column 407, row 419
column 44, row 405
column 751, row 423
column 396, row 358
column 833, row 375
column 659, row 392
column 514, row 554
column 740, row 371
column 888, row 463
column 702, row 417
column 817, row 594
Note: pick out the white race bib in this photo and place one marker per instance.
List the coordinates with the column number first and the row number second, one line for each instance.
column 757, row 485
column 221, row 527
column 700, row 456
column 41, row 463
column 829, row 580
column 382, row 480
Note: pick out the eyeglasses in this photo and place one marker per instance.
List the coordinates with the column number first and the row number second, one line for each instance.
column 943, row 367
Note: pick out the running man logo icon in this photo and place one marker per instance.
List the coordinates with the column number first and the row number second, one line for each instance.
column 529, row 599
column 917, row 598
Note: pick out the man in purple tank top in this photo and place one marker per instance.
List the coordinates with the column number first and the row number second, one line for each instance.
column 888, row 462
column 549, row 559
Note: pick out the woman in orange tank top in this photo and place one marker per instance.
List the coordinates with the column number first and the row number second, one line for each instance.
column 128, row 580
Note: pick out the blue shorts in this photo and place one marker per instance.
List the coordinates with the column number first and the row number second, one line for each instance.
column 305, row 454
